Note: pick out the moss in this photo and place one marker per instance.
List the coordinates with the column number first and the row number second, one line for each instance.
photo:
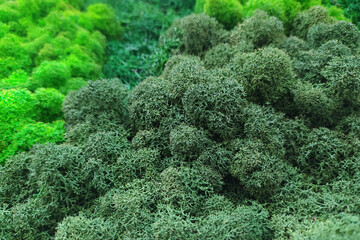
column 322, row 155
column 104, row 20
column 227, row 12
column 50, row 75
column 268, row 76
column 188, row 142
column 343, row 79
column 81, row 227
column 314, row 103
column 103, row 100
column 306, row 19
column 198, row 32
column 149, row 103
column 216, row 106
column 261, row 30
column 258, row 171
column 345, row 32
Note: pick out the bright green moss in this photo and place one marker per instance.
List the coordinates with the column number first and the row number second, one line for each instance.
column 227, row 12
column 34, row 133
column 199, row 6
column 9, row 11
column 104, row 20
column 50, row 75
column 18, row 79
column 285, row 10
column 48, row 104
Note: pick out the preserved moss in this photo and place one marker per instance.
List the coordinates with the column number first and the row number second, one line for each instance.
column 198, row 32
column 268, row 76
column 261, row 30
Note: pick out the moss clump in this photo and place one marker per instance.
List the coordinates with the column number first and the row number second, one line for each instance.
column 268, row 76
column 216, row 106
column 198, row 32
column 261, row 30
column 306, row 19
column 228, row 12
column 258, row 171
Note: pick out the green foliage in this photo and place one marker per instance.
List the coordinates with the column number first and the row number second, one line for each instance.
column 185, row 73
column 34, row 133
column 345, row 32
column 48, row 44
column 188, row 142
column 185, row 188
column 54, row 191
column 254, row 137
column 173, row 4
column 81, row 227
column 261, row 30
column 140, row 53
column 227, row 12
column 144, row 112
column 343, row 79
column 258, row 171
column 199, row 6
column 342, row 226
column 322, row 155
column 309, row 65
column 220, row 55
column 285, row 10
column 244, row 222
column 351, row 8
column 198, row 33
column 97, row 102
column 350, row 125
column 313, row 102
column 50, row 75
column 216, row 106
column 293, row 46
column 306, row 19
column 21, row 109
column 104, row 20
column 266, row 125
column 268, row 76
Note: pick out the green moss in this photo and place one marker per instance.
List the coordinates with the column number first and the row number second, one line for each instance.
column 227, row 12
column 198, row 32
column 268, row 76
column 104, row 20
column 81, row 227
column 216, row 106
column 306, row 19
column 261, row 30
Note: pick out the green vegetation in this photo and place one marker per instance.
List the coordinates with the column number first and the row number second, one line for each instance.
column 246, row 134
column 231, row 12
column 48, row 48
column 143, row 50
column 238, row 122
